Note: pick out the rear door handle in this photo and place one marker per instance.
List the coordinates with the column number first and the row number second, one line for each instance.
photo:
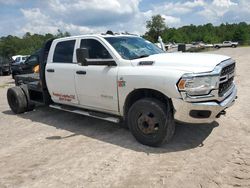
column 50, row 70
column 81, row 72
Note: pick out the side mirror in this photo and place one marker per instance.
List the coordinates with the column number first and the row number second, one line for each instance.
column 81, row 55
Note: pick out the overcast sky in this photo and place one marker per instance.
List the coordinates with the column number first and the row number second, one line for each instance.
column 96, row 16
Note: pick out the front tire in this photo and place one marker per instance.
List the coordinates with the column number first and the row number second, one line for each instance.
column 17, row 100
column 151, row 122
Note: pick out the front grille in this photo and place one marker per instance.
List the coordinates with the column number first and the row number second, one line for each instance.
column 228, row 70
column 226, row 79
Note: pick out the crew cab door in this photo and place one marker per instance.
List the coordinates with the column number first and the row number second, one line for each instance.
column 60, row 72
column 96, row 85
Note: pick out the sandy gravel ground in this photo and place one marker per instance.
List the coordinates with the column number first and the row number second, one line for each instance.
column 50, row 148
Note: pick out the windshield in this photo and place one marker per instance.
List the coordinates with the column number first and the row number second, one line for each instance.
column 18, row 59
column 133, row 47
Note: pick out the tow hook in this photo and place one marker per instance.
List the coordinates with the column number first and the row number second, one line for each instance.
column 223, row 112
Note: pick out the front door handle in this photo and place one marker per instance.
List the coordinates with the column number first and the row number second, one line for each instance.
column 81, row 72
column 50, row 70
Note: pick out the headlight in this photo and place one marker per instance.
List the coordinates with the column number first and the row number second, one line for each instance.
column 196, row 85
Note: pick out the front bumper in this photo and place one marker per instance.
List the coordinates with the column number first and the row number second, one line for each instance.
column 188, row 112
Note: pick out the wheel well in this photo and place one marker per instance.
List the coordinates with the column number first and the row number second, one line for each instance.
column 144, row 93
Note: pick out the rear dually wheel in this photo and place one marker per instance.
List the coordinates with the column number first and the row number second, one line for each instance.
column 17, row 100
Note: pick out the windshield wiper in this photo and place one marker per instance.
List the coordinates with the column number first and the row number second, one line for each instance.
column 141, row 56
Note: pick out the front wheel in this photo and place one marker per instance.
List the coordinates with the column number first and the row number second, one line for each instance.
column 151, row 122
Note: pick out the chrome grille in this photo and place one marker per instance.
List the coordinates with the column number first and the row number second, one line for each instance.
column 226, row 79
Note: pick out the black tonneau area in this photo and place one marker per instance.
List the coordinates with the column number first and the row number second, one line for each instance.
column 26, row 78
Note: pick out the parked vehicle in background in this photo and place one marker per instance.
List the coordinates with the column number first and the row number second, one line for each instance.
column 124, row 78
column 19, row 58
column 167, row 46
column 227, row 44
column 14, row 58
column 25, row 67
column 209, row 45
column 4, row 66
column 198, row 44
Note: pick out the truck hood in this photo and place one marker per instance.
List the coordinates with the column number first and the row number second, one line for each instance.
column 190, row 62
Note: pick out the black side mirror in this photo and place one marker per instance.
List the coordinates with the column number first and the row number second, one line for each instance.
column 82, row 54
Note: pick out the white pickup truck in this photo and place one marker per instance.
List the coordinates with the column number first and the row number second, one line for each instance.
column 226, row 44
column 124, row 78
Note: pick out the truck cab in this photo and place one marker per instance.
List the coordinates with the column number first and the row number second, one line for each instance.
column 93, row 86
column 124, row 78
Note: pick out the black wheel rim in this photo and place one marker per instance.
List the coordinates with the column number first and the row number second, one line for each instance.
column 148, row 123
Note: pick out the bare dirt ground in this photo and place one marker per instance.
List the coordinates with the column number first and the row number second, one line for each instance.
column 51, row 148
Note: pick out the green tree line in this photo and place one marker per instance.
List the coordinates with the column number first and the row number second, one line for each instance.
column 207, row 33
column 26, row 45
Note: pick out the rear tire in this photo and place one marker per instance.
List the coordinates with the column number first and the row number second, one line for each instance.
column 17, row 100
column 151, row 122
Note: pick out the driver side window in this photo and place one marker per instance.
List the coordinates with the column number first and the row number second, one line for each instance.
column 96, row 49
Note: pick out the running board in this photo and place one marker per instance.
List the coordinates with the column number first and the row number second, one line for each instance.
column 93, row 114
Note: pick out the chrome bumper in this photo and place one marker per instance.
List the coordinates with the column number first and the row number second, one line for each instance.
column 183, row 110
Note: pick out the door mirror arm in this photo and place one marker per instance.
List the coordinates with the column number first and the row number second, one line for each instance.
column 82, row 55
column 112, row 64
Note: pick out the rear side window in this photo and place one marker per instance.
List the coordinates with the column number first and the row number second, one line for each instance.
column 96, row 49
column 64, row 52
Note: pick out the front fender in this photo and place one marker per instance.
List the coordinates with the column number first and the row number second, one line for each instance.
column 147, row 77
